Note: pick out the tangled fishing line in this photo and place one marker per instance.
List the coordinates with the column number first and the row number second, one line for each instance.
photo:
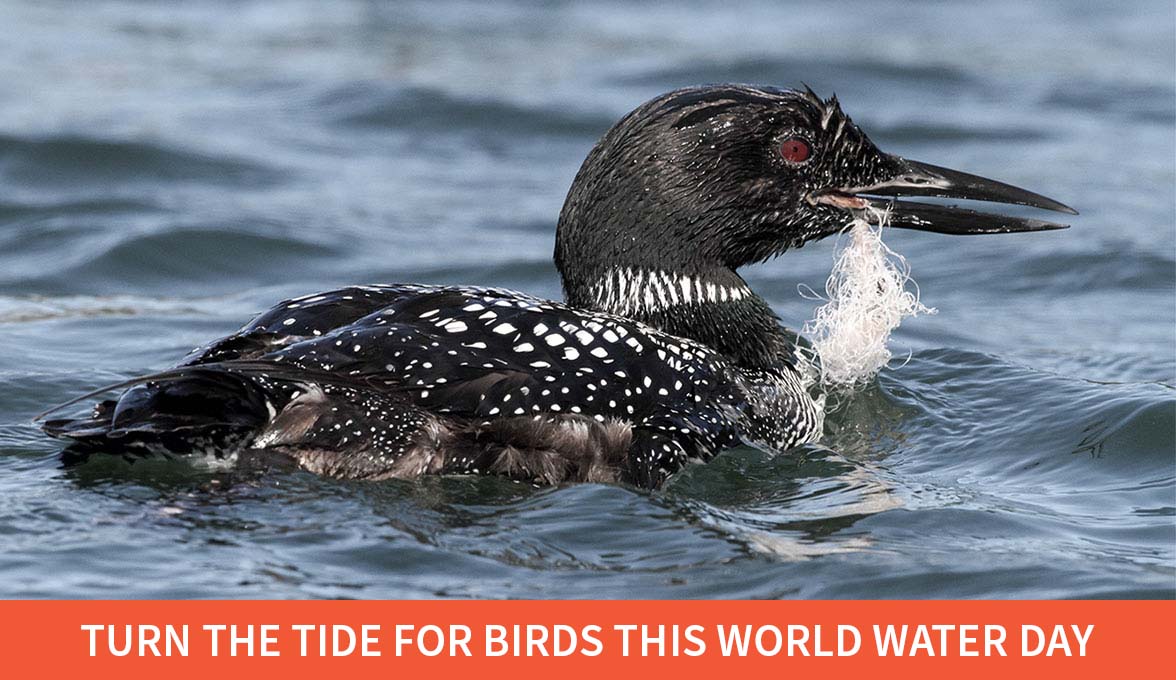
column 866, row 298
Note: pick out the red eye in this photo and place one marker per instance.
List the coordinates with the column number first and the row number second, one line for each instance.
column 795, row 150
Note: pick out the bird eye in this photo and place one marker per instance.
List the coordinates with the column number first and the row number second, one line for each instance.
column 795, row 150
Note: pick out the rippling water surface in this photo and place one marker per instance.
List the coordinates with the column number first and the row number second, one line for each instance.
column 167, row 172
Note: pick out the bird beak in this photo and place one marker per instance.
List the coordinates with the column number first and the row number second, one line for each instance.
column 922, row 179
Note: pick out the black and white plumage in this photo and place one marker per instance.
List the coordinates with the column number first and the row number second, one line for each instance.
column 399, row 380
column 660, row 356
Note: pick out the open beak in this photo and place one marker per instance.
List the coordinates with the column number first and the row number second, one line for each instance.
column 922, row 179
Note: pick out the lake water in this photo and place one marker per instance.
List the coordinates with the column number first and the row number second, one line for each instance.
column 166, row 172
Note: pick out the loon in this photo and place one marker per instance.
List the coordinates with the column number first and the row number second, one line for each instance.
column 660, row 354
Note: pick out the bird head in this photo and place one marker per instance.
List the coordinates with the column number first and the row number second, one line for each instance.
column 708, row 179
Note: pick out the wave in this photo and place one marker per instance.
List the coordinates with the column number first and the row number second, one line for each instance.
column 35, row 308
column 369, row 105
column 217, row 256
column 787, row 71
column 73, row 159
column 1027, row 431
column 1150, row 103
column 11, row 211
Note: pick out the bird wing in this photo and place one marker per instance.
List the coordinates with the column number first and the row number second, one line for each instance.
column 482, row 353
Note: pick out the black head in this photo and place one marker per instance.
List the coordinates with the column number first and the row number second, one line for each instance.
column 711, row 178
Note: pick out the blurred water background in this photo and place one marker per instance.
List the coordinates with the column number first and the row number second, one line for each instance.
column 169, row 169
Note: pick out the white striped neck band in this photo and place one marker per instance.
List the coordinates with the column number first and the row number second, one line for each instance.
column 625, row 290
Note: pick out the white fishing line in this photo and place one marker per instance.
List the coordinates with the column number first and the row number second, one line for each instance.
column 866, row 298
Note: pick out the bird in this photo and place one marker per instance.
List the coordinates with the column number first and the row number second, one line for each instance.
column 660, row 355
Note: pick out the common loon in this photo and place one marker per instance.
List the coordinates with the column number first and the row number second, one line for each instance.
column 660, row 355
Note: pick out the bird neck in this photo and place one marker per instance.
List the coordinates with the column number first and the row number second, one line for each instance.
column 713, row 306
column 640, row 238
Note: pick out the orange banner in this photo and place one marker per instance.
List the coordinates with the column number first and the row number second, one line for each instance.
column 164, row 639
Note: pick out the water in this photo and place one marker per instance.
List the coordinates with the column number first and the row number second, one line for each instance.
column 167, row 171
